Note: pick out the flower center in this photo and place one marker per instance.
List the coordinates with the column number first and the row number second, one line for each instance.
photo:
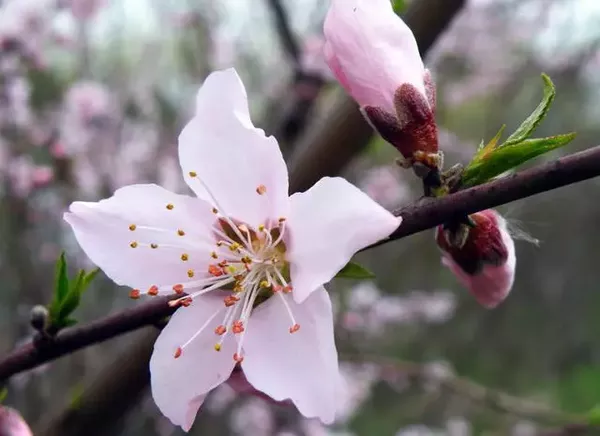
column 248, row 267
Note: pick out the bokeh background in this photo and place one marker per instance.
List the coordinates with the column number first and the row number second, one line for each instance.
column 92, row 96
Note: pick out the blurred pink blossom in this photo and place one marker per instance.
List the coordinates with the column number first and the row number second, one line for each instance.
column 25, row 175
column 384, row 185
column 86, row 9
column 312, row 58
column 12, row 424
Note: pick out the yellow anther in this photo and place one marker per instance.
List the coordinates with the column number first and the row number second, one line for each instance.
column 190, row 273
column 153, row 245
column 180, row 232
column 215, row 210
column 282, row 219
column 246, row 259
column 193, row 174
column 132, row 227
column 214, row 255
column 133, row 244
column 231, row 270
column 217, row 347
column 185, row 257
column 261, row 227
column 264, row 284
column 261, row 189
column 220, row 243
column 234, row 246
column 170, row 206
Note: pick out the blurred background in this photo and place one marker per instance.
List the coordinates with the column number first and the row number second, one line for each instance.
column 93, row 94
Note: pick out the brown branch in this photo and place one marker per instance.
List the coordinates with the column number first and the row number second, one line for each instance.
column 546, row 177
column 72, row 339
column 564, row 171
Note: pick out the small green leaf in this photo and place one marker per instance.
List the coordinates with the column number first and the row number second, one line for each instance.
column 398, row 6
column 593, row 416
column 508, row 157
column 88, row 279
column 61, row 287
column 354, row 271
column 530, row 124
column 3, row 394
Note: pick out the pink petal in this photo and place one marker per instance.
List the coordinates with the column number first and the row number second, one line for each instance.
column 179, row 385
column 232, row 157
column 301, row 366
column 12, row 424
column 372, row 51
column 328, row 224
column 103, row 231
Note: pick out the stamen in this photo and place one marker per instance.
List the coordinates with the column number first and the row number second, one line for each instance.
column 170, row 206
column 178, row 352
column 178, row 288
column 291, row 315
column 132, row 227
column 193, row 173
column 230, row 300
column 217, row 347
column 215, row 210
column 180, row 232
column 185, row 257
column 238, row 327
column 134, row 244
column 220, row 330
column 294, row 328
column 206, row 323
column 190, row 273
column 214, row 255
column 153, row 290
column 153, row 245
column 134, row 294
column 214, row 270
column 238, row 358
column 261, row 189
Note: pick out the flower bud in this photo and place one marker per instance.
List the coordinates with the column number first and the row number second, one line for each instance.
column 481, row 255
column 38, row 317
column 375, row 57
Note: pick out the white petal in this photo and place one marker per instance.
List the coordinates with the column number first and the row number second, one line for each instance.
column 328, row 224
column 103, row 231
column 301, row 366
column 230, row 156
column 180, row 385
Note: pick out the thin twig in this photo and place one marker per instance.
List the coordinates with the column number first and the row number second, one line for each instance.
column 564, row 171
column 286, row 35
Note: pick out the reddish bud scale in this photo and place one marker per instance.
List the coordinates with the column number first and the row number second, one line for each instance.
column 413, row 130
column 484, row 244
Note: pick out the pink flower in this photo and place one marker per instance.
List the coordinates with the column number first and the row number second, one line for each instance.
column 251, row 259
column 375, row 57
column 12, row 424
column 485, row 262
column 85, row 9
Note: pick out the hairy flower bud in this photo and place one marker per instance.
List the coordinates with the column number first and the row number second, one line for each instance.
column 38, row 317
column 375, row 57
column 481, row 256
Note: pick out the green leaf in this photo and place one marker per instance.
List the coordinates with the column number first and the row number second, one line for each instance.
column 3, row 394
column 398, row 6
column 61, row 287
column 354, row 271
column 593, row 417
column 507, row 157
column 530, row 124
column 73, row 298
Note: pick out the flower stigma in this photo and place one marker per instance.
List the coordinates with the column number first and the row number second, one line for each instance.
column 247, row 265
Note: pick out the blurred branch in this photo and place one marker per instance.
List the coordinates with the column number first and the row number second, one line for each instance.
column 103, row 402
column 474, row 392
column 561, row 172
column 343, row 133
column 286, row 36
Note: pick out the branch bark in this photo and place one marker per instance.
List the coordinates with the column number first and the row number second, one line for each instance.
column 286, row 36
column 564, row 171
